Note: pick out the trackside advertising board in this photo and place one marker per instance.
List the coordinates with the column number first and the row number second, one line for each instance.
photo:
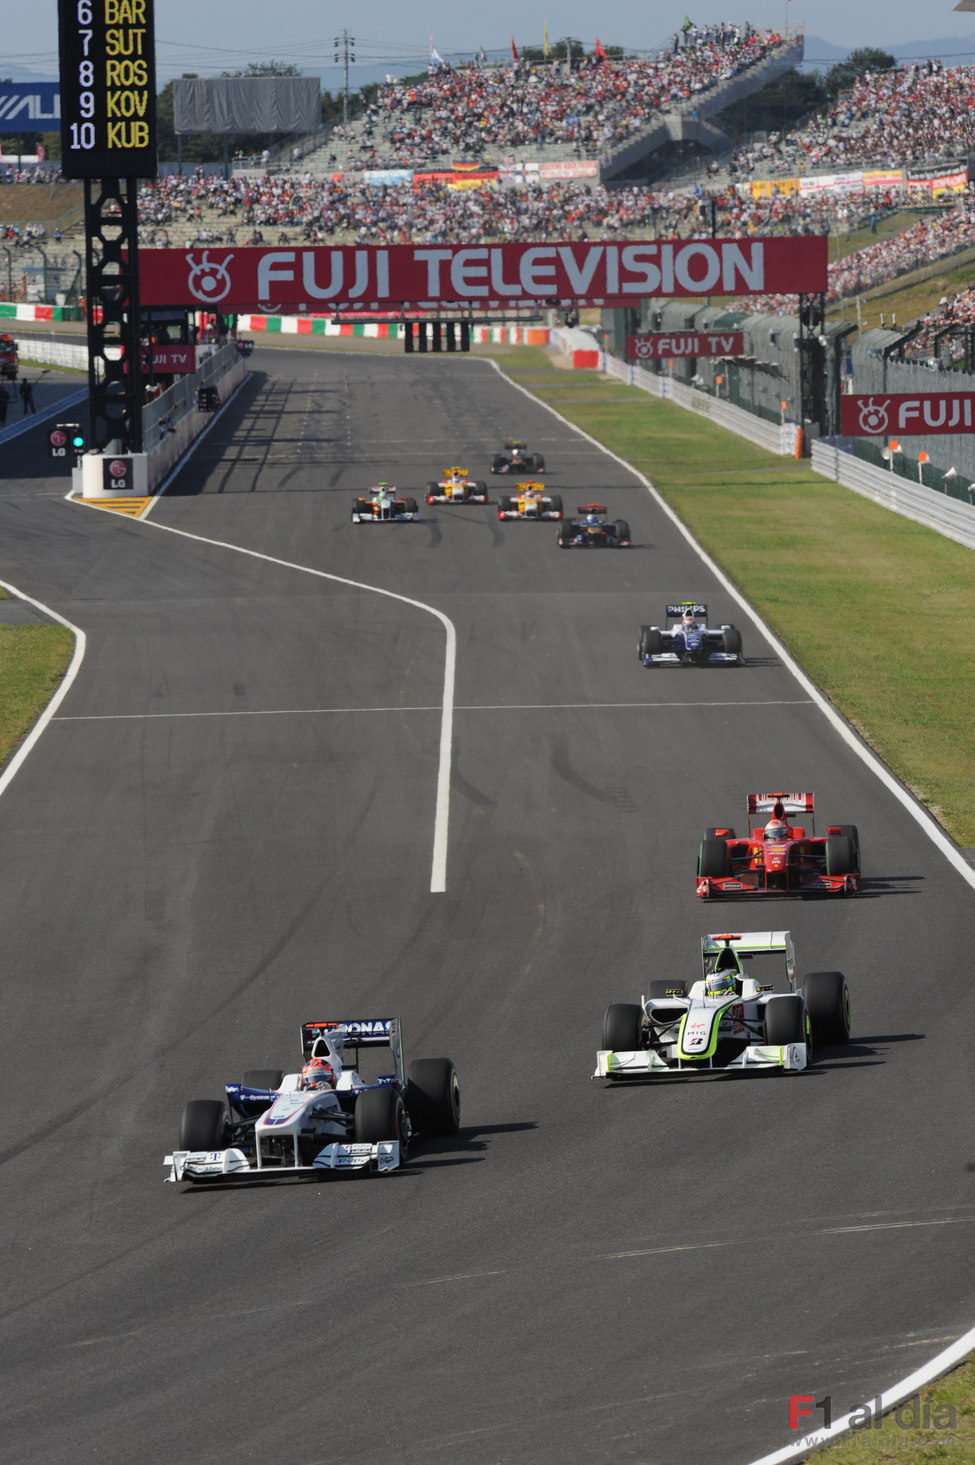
column 486, row 276
column 660, row 345
column 906, row 414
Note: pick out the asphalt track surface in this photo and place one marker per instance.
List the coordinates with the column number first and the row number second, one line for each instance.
column 227, row 830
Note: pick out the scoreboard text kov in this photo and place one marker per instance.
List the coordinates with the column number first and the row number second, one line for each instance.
column 108, row 88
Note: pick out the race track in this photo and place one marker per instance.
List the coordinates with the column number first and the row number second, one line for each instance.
column 228, row 829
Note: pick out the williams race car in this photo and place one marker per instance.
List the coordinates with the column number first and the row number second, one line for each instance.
column 517, row 459
column 455, row 487
column 592, row 531
column 325, row 1118
column 530, row 502
column 381, row 506
column 688, row 640
column 727, row 1021
column 778, row 857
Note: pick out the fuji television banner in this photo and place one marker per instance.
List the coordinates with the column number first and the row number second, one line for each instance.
column 906, row 414
column 661, row 345
column 373, row 277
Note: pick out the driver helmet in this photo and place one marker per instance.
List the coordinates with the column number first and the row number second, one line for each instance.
column 687, row 619
column 592, row 518
column 776, row 829
column 720, row 984
column 318, row 1073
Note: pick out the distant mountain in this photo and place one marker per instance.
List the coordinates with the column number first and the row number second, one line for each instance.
column 820, row 55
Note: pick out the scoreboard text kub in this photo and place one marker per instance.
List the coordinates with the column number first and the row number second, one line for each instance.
column 108, row 89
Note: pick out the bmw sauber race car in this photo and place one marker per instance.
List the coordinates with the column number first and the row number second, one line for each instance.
column 591, row 530
column 380, row 505
column 730, row 1020
column 455, row 487
column 688, row 640
column 325, row 1118
column 778, row 857
column 517, row 459
column 530, row 502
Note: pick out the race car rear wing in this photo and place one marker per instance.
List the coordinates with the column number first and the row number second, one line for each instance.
column 357, row 1033
column 782, row 804
column 696, row 608
column 749, row 943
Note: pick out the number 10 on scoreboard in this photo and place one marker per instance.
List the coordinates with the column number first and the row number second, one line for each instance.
column 108, row 88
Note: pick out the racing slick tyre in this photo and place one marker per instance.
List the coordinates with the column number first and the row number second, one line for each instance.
column 660, row 987
column 497, row 463
column 504, row 505
column 555, row 503
column 623, row 1027
column 731, row 641
column 409, row 507
column 539, row 463
column 716, row 833
column 712, row 859
column 621, row 530
column 651, row 642
column 433, row 1096
column 432, row 490
column 785, row 1021
column 203, row 1125
column 380, row 1115
column 851, row 832
column 828, row 1004
column 479, row 489
column 840, row 855
column 263, row 1078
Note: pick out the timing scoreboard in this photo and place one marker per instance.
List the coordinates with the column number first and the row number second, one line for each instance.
column 108, row 88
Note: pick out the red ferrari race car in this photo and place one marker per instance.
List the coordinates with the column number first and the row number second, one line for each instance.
column 778, row 857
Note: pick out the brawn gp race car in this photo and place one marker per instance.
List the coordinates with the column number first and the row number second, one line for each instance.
column 728, row 1021
column 517, row 459
column 779, row 858
column 530, row 502
column 456, row 487
column 688, row 640
column 379, row 505
column 325, row 1118
column 592, row 530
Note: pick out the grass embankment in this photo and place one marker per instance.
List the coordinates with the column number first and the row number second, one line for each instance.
column 855, row 591
column 32, row 662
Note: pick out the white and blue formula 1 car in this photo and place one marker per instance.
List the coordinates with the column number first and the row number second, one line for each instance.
column 276, row 1125
column 689, row 640
column 728, row 1021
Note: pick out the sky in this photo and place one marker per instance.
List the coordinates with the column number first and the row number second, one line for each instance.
column 211, row 36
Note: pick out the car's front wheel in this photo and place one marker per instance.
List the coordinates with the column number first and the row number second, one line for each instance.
column 204, row 1125
column 380, row 1115
column 623, row 1027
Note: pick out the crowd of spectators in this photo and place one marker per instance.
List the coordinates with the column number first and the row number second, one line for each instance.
column 918, row 114
column 592, row 105
column 944, row 337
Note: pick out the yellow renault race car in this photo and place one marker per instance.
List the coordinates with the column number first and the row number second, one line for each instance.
column 457, row 487
column 530, row 501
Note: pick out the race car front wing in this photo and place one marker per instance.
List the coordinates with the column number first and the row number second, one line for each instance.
column 233, row 1164
column 645, row 1063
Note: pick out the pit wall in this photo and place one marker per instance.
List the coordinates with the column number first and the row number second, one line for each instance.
column 320, row 325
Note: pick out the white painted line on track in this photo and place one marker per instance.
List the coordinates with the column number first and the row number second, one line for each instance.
column 74, row 665
column 433, row 707
column 929, row 826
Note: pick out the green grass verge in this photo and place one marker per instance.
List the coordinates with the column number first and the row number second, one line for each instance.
column 948, row 1435
column 854, row 590
column 32, row 662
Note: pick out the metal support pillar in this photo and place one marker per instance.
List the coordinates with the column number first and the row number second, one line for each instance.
column 812, row 362
column 112, row 260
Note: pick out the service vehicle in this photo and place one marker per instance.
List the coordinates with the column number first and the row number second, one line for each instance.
column 592, row 530
column 686, row 639
column 776, row 857
column 457, row 487
column 284, row 1124
column 729, row 1020
column 515, row 458
column 380, row 505
column 530, row 501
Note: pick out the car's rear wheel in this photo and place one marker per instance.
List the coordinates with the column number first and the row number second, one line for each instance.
column 263, row 1078
column 731, row 641
column 712, row 859
column 203, row 1125
column 555, row 503
column 851, row 832
column 504, row 505
column 623, row 1027
column 785, row 1021
column 828, row 1002
column 380, row 1115
column 651, row 642
column 433, row 1096
column 409, row 506
column 539, row 463
column 840, row 855
column 621, row 529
